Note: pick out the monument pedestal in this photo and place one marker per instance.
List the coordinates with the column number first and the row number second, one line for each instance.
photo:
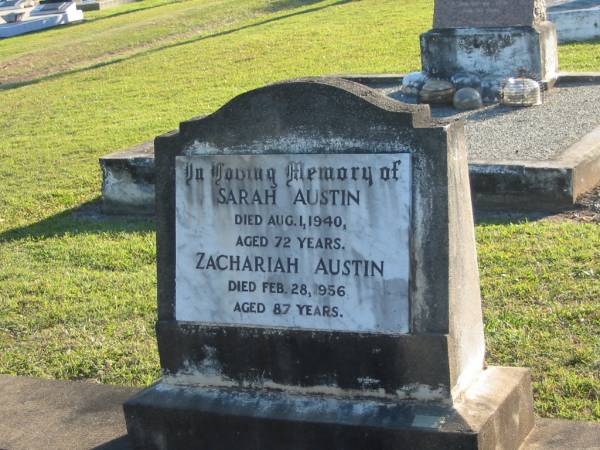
column 529, row 51
column 495, row 412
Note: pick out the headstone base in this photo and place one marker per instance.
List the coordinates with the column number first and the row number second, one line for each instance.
column 495, row 412
column 501, row 52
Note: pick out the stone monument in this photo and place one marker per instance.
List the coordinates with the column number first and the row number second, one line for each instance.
column 502, row 38
column 318, row 284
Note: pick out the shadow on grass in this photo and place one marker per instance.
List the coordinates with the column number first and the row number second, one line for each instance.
column 85, row 219
column 10, row 86
column 483, row 217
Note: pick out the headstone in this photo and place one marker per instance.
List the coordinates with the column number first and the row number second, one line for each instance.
column 318, row 284
column 488, row 13
column 500, row 38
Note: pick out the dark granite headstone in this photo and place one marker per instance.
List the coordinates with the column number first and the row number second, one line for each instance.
column 488, row 13
column 318, row 284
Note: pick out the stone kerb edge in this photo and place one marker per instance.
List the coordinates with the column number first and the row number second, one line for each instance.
column 538, row 185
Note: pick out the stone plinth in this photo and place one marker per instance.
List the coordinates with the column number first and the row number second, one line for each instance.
column 502, row 52
column 496, row 412
column 501, row 38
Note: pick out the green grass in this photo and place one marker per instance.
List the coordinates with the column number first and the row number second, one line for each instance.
column 77, row 292
column 541, row 291
column 580, row 57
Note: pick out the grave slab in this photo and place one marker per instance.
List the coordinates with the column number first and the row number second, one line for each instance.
column 14, row 5
column 37, row 414
column 44, row 9
column 575, row 20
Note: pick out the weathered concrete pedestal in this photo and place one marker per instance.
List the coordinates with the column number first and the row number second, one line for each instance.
column 500, row 39
column 504, row 52
column 496, row 412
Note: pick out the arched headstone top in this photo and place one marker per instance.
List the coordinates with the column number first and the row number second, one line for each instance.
column 305, row 111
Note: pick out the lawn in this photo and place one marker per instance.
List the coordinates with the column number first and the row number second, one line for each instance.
column 77, row 290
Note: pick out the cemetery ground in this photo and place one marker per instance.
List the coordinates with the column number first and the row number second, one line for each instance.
column 77, row 288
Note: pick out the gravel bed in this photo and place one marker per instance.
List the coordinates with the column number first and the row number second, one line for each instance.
column 538, row 133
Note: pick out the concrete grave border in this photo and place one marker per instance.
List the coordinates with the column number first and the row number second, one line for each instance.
column 523, row 185
column 128, row 180
column 541, row 185
column 528, row 185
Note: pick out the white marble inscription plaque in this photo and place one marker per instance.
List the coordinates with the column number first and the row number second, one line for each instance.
column 304, row 241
